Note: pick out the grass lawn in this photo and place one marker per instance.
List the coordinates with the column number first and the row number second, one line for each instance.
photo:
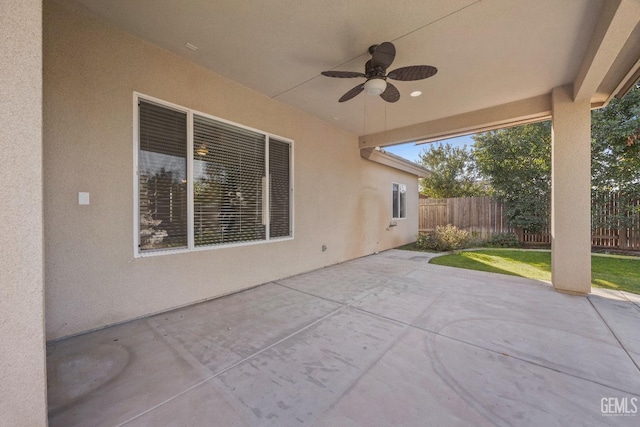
column 607, row 271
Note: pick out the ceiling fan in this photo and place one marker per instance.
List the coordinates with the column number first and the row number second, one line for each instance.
column 375, row 71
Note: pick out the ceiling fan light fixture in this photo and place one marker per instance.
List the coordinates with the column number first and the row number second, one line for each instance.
column 375, row 86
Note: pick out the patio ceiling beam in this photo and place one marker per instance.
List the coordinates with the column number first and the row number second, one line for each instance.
column 511, row 114
column 617, row 20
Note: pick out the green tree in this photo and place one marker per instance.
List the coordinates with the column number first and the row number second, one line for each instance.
column 517, row 162
column 615, row 159
column 453, row 173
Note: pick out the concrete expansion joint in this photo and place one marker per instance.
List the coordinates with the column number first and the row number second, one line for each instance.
column 344, row 305
column 614, row 334
column 624, row 295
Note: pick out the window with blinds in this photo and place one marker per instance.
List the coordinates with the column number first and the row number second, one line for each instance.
column 279, row 196
column 229, row 166
column 162, row 172
column 399, row 200
column 234, row 200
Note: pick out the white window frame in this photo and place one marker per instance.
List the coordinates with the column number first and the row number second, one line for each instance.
column 191, row 247
column 399, row 201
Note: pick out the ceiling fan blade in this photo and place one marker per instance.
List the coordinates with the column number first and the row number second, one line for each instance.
column 383, row 55
column 342, row 74
column 390, row 94
column 353, row 92
column 413, row 72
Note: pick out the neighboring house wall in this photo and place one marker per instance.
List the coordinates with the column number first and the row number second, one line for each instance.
column 92, row 278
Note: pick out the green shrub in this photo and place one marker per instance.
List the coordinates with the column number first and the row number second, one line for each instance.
column 451, row 237
column 504, row 240
column 476, row 241
column 445, row 238
column 426, row 242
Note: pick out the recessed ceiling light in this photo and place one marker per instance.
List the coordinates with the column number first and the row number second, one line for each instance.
column 416, row 93
column 191, row 46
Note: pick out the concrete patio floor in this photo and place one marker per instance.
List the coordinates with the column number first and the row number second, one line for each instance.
column 384, row 340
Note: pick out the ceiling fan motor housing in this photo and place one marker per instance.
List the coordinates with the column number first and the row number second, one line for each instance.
column 372, row 72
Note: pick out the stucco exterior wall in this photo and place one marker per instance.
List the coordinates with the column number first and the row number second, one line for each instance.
column 23, row 383
column 92, row 278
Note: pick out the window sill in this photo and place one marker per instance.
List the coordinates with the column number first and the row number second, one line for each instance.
column 161, row 252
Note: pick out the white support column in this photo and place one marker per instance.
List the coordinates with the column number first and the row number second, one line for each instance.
column 570, row 193
column 23, row 382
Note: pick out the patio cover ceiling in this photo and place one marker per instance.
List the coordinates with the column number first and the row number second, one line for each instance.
column 498, row 60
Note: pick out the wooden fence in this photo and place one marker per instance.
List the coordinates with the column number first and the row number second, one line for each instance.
column 619, row 235
column 484, row 216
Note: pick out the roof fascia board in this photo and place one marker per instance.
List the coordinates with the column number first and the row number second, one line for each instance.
column 628, row 82
column 391, row 160
column 616, row 22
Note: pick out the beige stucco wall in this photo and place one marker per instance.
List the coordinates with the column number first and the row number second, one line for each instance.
column 22, row 354
column 91, row 71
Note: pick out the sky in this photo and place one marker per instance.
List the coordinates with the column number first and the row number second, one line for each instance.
column 411, row 151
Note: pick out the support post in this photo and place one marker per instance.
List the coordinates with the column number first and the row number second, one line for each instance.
column 23, row 382
column 570, row 193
